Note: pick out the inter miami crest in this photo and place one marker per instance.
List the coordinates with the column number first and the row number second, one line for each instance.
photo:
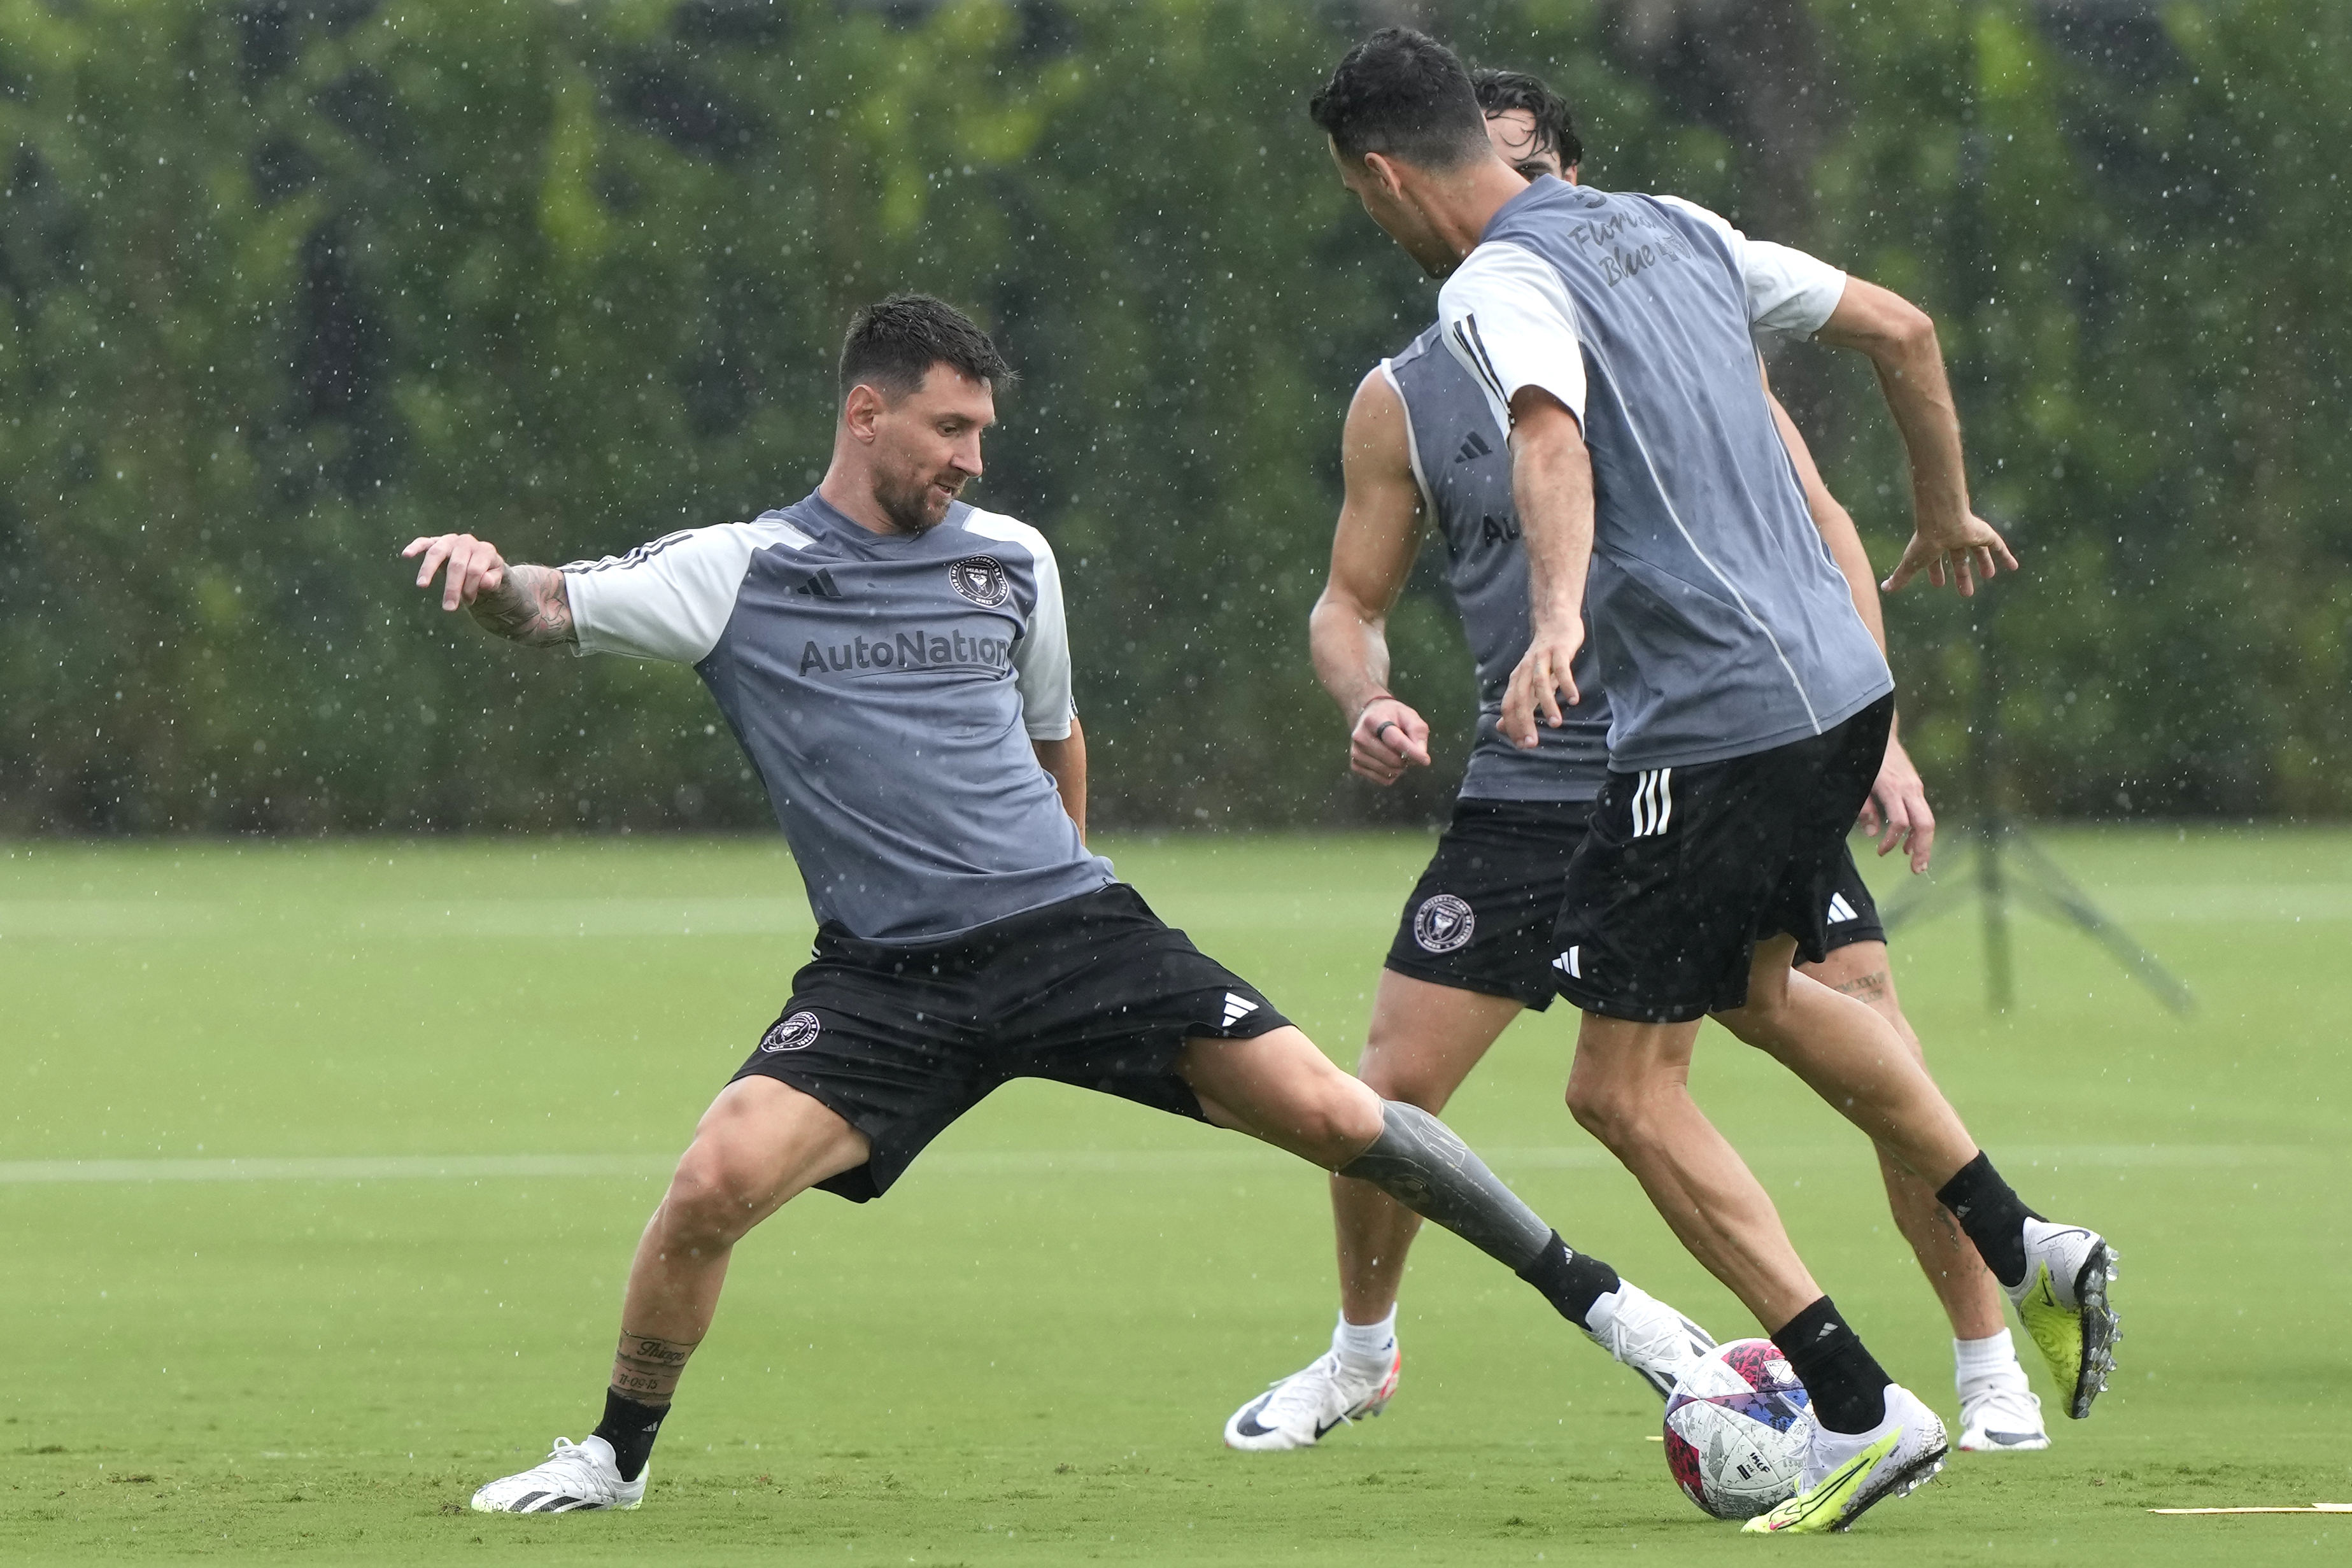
column 1443, row 923
column 981, row 579
column 797, row 1032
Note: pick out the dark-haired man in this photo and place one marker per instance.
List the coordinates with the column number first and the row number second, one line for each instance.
column 1612, row 336
column 893, row 660
column 1473, row 948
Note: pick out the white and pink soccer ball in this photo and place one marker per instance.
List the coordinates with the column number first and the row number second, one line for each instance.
column 1737, row 1426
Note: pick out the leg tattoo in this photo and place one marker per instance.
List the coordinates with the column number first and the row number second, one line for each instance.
column 646, row 1369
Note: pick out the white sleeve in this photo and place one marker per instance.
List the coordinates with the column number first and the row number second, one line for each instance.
column 1041, row 659
column 670, row 599
column 1508, row 319
column 1790, row 294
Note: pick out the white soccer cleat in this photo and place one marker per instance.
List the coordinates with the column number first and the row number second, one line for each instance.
column 1296, row 1412
column 1845, row 1476
column 2062, row 1301
column 2002, row 1418
column 576, row 1478
column 1651, row 1337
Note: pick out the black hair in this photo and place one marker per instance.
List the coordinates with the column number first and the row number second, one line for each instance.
column 1500, row 92
column 1406, row 95
column 891, row 346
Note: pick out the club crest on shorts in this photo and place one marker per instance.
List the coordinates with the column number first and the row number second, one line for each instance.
column 1443, row 923
column 796, row 1033
column 981, row 579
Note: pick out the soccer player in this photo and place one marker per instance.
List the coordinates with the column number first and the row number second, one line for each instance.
column 1473, row 945
column 1612, row 337
column 894, row 663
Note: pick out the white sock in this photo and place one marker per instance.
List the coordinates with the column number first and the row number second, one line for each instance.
column 1985, row 1363
column 1366, row 1347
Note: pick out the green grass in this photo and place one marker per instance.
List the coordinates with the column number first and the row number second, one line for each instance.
column 1025, row 1354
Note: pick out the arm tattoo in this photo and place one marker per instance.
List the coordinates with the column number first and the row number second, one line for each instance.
column 647, row 1369
column 530, row 607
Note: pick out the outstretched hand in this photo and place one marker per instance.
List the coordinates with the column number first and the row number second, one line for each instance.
column 1538, row 683
column 1974, row 549
column 1388, row 738
column 475, row 568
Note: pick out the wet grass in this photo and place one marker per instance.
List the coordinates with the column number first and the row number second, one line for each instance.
column 1024, row 1355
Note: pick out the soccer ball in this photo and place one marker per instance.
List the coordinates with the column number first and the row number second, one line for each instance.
column 1736, row 1425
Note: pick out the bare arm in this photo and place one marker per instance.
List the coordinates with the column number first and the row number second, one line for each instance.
column 1371, row 555
column 1950, row 543
column 1065, row 760
column 524, row 604
column 1897, row 810
column 1552, row 483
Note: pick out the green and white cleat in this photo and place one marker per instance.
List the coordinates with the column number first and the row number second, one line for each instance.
column 2062, row 1301
column 1846, row 1477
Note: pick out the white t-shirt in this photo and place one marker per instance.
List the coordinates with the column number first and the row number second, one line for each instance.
column 1508, row 316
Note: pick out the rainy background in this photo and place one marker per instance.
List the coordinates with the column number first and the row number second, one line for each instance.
column 360, row 975
column 284, row 284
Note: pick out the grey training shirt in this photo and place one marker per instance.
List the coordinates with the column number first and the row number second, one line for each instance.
column 1722, row 625
column 886, row 688
column 1462, row 462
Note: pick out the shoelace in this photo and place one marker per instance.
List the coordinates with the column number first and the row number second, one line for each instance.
column 1303, row 1391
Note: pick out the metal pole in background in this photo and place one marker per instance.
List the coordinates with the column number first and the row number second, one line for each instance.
column 1992, row 834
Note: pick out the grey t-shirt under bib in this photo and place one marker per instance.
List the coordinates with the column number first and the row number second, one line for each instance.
column 887, row 688
column 1462, row 462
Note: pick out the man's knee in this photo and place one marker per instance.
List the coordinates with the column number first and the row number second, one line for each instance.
column 1345, row 1116
column 1394, row 1071
column 714, row 1197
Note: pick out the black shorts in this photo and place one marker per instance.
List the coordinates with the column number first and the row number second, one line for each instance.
column 1683, row 870
column 899, row 1039
column 1482, row 917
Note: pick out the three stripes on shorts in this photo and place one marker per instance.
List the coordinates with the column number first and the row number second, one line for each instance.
column 1653, row 802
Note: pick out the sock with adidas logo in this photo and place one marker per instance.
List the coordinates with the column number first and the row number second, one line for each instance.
column 1992, row 1214
column 1847, row 1384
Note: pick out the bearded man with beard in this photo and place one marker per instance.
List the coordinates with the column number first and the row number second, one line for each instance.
column 893, row 660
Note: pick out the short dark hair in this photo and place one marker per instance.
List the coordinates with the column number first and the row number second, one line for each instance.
column 1500, row 92
column 1404, row 94
column 891, row 346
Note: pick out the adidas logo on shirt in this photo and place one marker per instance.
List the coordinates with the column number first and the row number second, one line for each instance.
column 1475, row 446
column 1840, row 910
column 820, row 584
column 1237, row 1008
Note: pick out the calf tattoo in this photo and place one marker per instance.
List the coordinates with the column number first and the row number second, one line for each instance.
column 647, row 1369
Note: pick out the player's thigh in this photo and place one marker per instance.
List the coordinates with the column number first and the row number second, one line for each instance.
column 1860, row 970
column 1277, row 1086
column 761, row 1143
column 1426, row 1038
column 1624, row 1067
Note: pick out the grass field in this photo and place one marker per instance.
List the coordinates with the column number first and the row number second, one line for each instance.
column 320, row 1165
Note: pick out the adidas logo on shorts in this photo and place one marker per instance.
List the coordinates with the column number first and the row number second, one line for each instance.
column 1840, row 910
column 1571, row 963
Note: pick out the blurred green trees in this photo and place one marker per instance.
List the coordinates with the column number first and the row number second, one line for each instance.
column 286, row 285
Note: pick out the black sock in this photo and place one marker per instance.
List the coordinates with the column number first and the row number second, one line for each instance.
column 1990, row 1210
column 631, row 1428
column 1570, row 1281
column 1847, row 1384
